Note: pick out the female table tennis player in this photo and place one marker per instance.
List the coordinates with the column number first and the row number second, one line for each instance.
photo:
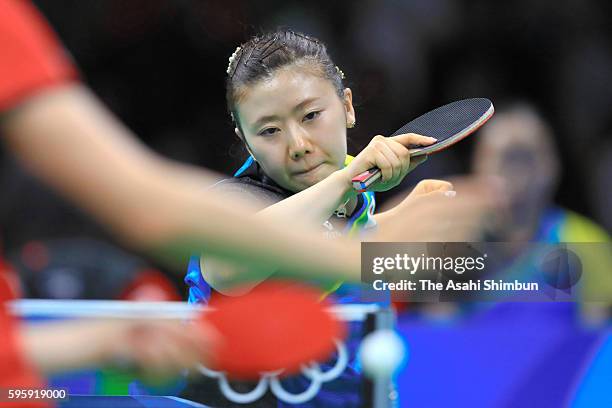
column 291, row 111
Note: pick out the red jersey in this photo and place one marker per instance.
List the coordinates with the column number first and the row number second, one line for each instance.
column 15, row 370
column 31, row 58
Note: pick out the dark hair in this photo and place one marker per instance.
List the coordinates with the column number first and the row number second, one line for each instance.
column 261, row 56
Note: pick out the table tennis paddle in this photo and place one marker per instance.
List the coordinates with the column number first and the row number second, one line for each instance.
column 448, row 124
column 276, row 326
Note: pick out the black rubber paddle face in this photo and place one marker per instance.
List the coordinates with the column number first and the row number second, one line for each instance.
column 449, row 123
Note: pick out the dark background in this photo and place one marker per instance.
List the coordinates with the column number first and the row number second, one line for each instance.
column 160, row 66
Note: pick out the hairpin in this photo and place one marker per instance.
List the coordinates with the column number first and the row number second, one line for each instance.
column 231, row 60
column 340, row 72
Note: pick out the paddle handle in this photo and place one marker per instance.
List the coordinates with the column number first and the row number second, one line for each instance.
column 364, row 180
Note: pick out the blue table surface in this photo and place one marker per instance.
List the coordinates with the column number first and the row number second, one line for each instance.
column 145, row 401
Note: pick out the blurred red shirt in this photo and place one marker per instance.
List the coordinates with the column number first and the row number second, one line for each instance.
column 31, row 57
column 31, row 60
column 16, row 372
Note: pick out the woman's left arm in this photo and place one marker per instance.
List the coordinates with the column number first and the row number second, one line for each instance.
column 316, row 203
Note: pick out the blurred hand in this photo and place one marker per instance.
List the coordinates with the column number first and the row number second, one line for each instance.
column 428, row 186
column 158, row 348
column 155, row 348
column 441, row 215
column 391, row 155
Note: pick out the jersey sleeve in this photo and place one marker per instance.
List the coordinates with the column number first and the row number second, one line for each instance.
column 246, row 190
column 31, row 57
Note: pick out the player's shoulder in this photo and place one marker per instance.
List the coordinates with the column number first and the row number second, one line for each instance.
column 579, row 228
column 247, row 188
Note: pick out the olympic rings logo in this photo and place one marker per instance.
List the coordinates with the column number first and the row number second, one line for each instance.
column 270, row 379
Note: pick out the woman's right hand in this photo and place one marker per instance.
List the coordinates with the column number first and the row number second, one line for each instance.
column 391, row 155
column 431, row 186
column 443, row 212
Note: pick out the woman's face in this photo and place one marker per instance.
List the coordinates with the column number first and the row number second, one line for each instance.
column 294, row 125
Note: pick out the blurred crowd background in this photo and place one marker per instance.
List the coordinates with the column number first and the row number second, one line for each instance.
column 160, row 66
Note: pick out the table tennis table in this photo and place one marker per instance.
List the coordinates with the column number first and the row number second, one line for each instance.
column 82, row 393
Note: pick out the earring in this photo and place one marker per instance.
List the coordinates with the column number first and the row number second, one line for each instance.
column 350, row 125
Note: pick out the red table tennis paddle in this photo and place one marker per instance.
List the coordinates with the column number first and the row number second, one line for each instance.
column 448, row 124
column 277, row 326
